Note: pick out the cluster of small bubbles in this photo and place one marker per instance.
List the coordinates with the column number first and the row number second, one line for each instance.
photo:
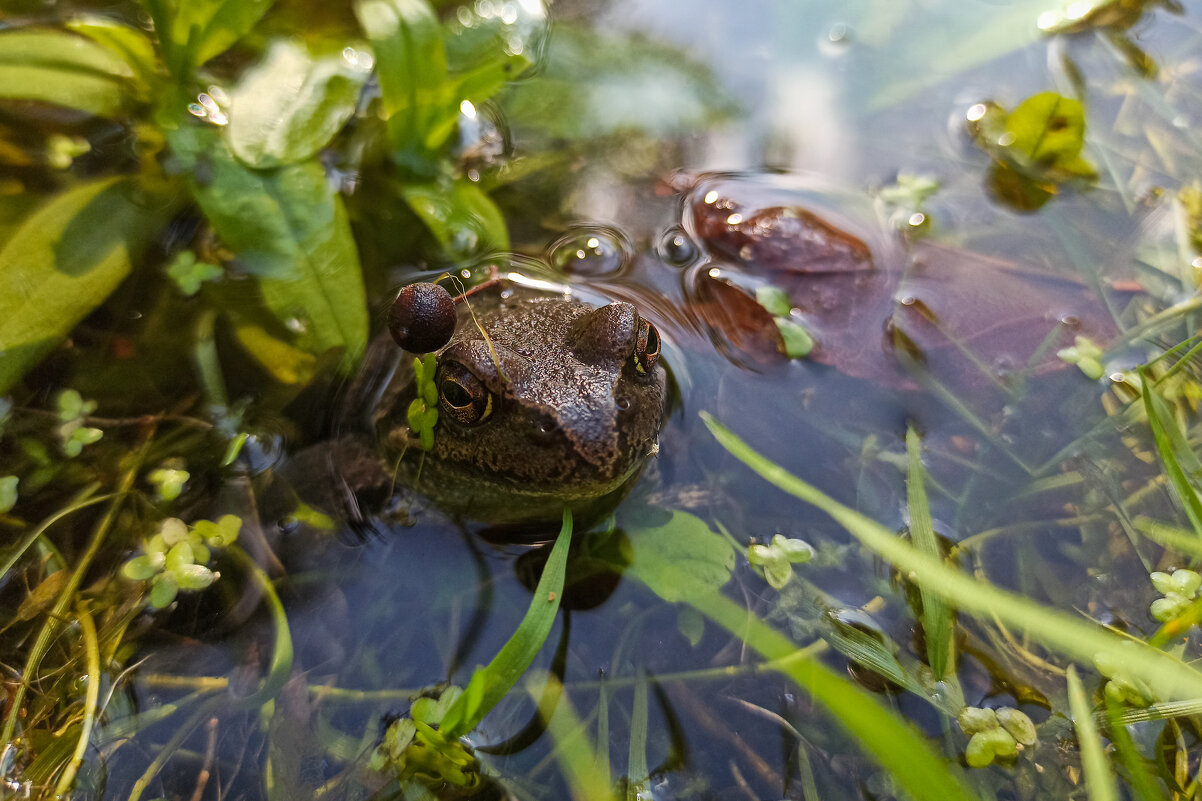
column 361, row 60
column 208, row 106
column 592, row 251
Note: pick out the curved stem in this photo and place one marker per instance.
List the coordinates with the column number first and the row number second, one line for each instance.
column 91, row 644
column 281, row 654
column 59, row 612
column 81, row 501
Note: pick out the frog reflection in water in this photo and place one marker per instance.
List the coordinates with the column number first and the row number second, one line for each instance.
column 543, row 400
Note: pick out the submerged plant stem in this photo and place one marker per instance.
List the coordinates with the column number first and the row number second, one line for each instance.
column 91, row 644
column 59, row 612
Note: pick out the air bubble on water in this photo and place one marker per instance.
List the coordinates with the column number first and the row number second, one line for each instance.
column 975, row 112
column 591, row 251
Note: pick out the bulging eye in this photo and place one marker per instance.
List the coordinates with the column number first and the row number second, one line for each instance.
column 462, row 396
column 646, row 348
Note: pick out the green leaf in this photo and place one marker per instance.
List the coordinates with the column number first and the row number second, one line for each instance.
column 193, row 31
column 163, row 590
column 461, row 216
column 774, row 301
column 8, row 493
column 64, row 69
column 1167, row 676
column 193, row 577
column 1099, row 781
column 489, row 684
column 938, row 619
column 411, row 61
column 64, row 261
column 180, row 556
column 132, row 46
column 142, row 567
column 680, row 559
column 1180, row 461
column 289, row 229
column 797, row 341
column 289, row 106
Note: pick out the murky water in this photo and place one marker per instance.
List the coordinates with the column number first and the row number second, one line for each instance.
column 716, row 152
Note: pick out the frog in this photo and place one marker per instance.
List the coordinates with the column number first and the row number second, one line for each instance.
column 544, row 400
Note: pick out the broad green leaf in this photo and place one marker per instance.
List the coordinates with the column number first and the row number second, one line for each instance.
column 461, row 216
column 488, row 52
column 1167, row 677
column 288, row 228
column 131, row 45
column 489, row 684
column 290, row 105
column 64, row 69
column 1048, row 131
column 680, row 559
column 411, row 61
column 63, row 262
column 193, row 31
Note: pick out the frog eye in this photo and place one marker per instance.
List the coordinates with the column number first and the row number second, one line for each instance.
column 646, row 348
column 463, row 396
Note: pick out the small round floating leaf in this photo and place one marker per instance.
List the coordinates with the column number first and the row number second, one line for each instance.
column 1187, row 582
column 1017, row 724
column 180, row 556
column 979, row 752
column 142, row 567
column 422, row 318
column 8, row 493
column 974, row 720
column 194, row 577
column 163, row 590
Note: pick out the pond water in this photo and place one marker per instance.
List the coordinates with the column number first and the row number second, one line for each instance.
column 970, row 221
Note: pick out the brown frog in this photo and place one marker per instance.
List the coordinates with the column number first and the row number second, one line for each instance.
column 543, row 401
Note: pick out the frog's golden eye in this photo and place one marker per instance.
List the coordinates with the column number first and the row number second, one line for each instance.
column 646, row 348
column 462, row 395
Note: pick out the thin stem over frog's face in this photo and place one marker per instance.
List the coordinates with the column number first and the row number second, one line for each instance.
column 560, row 404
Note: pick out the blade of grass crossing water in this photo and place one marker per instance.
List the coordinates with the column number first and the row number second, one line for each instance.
column 1099, row 781
column 636, row 766
column 938, row 623
column 1166, row 676
column 490, row 683
column 1138, row 775
column 572, row 749
column 1180, row 461
column 894, row 744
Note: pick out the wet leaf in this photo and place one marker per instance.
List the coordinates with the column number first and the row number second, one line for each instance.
column 143, row 567
column 193, row 577
column 290, row 105
column 461, row 216
column 131, row 45
column 289, row 230
column 163, row 590
column 193, row 31
column 411, row 63
column 8, row 493
column 43, row 596
column 680, row 558
column 738, row 325
column 63, row 69
column 63, row 262
column 1048, row 131
column 288, row 365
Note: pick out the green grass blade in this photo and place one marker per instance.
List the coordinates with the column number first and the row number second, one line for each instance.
column 572, row 749
column 938, row 622
column 1142, row 782
column 1170, row 536
column 1167, row 677
column 636, row 766
column 894, row 744
column 1180, row 461
column 1099, row 780
column 490, row 683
